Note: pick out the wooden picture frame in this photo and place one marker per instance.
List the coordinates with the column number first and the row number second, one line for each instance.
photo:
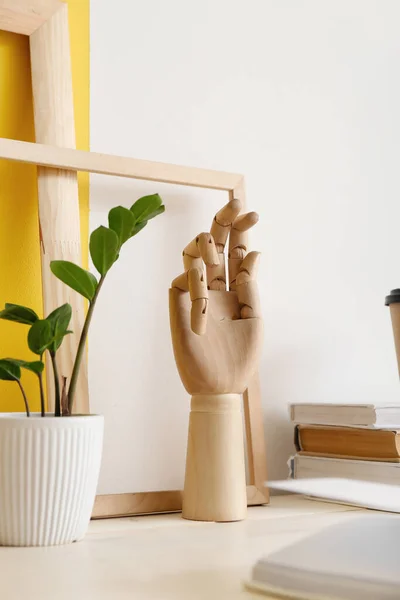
column 46, row 24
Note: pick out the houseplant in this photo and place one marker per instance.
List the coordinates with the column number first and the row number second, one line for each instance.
column 49, row 463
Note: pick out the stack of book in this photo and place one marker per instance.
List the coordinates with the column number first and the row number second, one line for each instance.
column 352, row 441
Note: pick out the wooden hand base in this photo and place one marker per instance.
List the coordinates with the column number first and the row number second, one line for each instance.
column 215, row 481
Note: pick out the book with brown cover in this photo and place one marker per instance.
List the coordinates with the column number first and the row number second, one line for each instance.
column 348, row 442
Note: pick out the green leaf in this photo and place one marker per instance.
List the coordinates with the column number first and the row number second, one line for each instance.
column 18, row 314
column 104, row 246
column 75, row 277
column 35, row 366
column 59, row 320
column 40, row 336
column 60, row 317
column 122, row 221
column 9, row 371
column 146, row 207
column 157, row 212
column 138, row 227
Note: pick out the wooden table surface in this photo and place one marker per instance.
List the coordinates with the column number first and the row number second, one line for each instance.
column 163, row 557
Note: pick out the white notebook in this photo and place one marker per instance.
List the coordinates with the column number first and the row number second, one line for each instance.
column 366, row 494
column 356, row 560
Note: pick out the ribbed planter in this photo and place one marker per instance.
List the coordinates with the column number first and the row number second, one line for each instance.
column 49, row 468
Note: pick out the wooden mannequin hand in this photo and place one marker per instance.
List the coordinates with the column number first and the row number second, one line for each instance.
column 217, row 334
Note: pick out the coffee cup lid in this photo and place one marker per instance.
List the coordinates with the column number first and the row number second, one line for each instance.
column 393, row 297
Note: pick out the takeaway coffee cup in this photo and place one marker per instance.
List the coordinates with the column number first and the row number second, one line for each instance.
column 393, row 301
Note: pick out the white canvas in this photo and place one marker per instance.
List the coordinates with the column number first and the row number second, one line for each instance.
column 133, row 379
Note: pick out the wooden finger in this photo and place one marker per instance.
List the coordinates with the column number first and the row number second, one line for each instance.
column 238, row 244
column 222, row 223
column 216, row 276
column 199, row 297
column 246, row 287
column 202, row 248
column 181, row 282
column 193, row 281
column 220, row 229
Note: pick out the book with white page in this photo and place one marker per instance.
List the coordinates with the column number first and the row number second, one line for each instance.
column 355, row 560
column 302, row 466
column 373, row 416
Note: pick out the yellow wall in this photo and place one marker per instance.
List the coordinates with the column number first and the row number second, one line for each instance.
column 20, row 278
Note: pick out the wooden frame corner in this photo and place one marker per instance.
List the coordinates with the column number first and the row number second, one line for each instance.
column 26, row 16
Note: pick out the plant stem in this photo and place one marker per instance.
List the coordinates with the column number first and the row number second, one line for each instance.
column 81, row 347
column 64, row 398
column 28, row 414
column 57, row 403
column 42, row 404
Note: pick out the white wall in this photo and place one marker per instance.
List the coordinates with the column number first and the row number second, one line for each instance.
column 303, row 97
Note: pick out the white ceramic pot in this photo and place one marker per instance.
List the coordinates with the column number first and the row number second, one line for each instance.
column 49, row 468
